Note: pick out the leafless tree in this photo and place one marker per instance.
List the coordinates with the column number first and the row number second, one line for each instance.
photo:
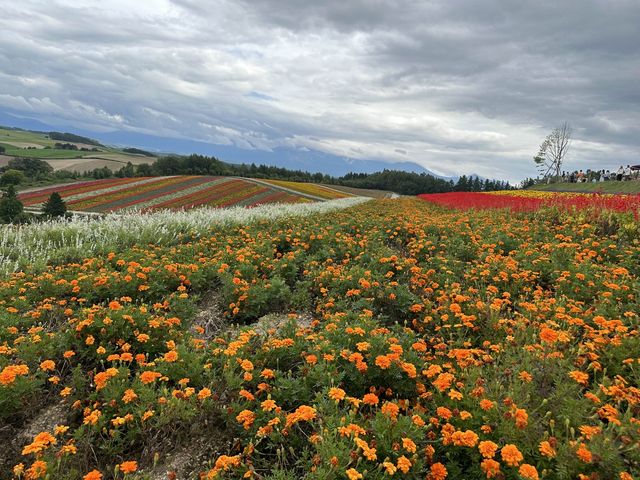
column 553, row 150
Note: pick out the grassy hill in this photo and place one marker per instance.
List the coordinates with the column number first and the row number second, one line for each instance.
column 630, row 187
column 23, row 143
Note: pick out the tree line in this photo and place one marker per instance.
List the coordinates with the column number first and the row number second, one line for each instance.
column 21, row 170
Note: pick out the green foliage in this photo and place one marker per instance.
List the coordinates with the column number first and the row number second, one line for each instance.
column 10, row 206
column 32, row 167
column 71, row 137
column 12, row 177
column 55, row 206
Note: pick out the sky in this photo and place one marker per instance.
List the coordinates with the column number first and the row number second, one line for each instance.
column 454, row 86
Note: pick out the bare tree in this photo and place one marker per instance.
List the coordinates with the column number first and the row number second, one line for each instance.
column 553, row 150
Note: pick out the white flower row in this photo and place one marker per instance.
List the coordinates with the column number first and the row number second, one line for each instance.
column 26, row 247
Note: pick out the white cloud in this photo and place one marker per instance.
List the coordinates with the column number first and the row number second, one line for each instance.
column 456, row 87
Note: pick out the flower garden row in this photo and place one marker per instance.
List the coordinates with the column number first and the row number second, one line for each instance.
column 175, row 192
column 531, row 200
column 443, row 344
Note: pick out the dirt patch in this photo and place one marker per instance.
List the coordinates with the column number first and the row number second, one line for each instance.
column 83, row 164
column 4, row 160
column 45, row 421
column 276, row 321
column 13, row 440
column 184, row 454
column 210, row 316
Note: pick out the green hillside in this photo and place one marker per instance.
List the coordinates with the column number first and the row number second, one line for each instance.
column 24, row 143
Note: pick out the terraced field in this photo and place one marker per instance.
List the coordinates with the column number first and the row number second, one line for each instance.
column 158, row 193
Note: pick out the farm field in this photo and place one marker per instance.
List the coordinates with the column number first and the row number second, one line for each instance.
column 392, row 338
column 533, row 200
column 156, row 193
column 364, row 192
column 312, row 189
column 20, row 143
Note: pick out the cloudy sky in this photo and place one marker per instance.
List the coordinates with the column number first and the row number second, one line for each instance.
column 455, row 86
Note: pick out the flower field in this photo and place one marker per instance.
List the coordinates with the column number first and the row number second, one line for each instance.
column 532, row 200
column 411, row 341
column 174, row 192
column 318, row 191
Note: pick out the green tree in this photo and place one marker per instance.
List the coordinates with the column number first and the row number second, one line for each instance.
column 10, row 206
column 54, row 206
column 12, row 177
column 32, row 167
column 2, row 149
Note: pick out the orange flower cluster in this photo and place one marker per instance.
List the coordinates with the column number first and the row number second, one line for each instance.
column 409, row 341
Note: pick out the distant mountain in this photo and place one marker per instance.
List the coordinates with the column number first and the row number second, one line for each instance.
column 296, row 159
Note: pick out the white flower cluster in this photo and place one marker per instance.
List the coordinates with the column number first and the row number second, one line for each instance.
column 27, row 247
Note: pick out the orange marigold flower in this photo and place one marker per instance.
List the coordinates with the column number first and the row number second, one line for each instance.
column 171, row 356
column 93, row 475
column 129, row 466
column 404, row 464
column 41, row 442
column 337, row 394
column 149, row 376
column 368, row 452
column 486, row 404
column 454, row 394
column 409, row 445
column 589, row 432
column 115, row 305
column 488, row 449
column 204, row 393
column 383, row 362
column 465, row 439
column 548, row 335
column 584, row 454
column 47, row 365
column 437, row 471
column 246, row 418
column 129, row 396
column 444, row 412
column 390, row 409
column 521, row 417
column 303, row 413
column 580, row 377
column 443, row 381
column 528, row 472
column 267, row 373
column 353, row 474
column 525, row 376
column 491, row 468
column 389, row 467
column 37, row 470
column 268, row 405
column 511, row 455
column 370, row 399
column 546, row 449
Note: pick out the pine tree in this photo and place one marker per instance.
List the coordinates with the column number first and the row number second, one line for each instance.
column 10, row 206
column 54, row 206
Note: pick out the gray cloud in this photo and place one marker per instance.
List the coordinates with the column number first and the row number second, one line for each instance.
column 457, row 87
